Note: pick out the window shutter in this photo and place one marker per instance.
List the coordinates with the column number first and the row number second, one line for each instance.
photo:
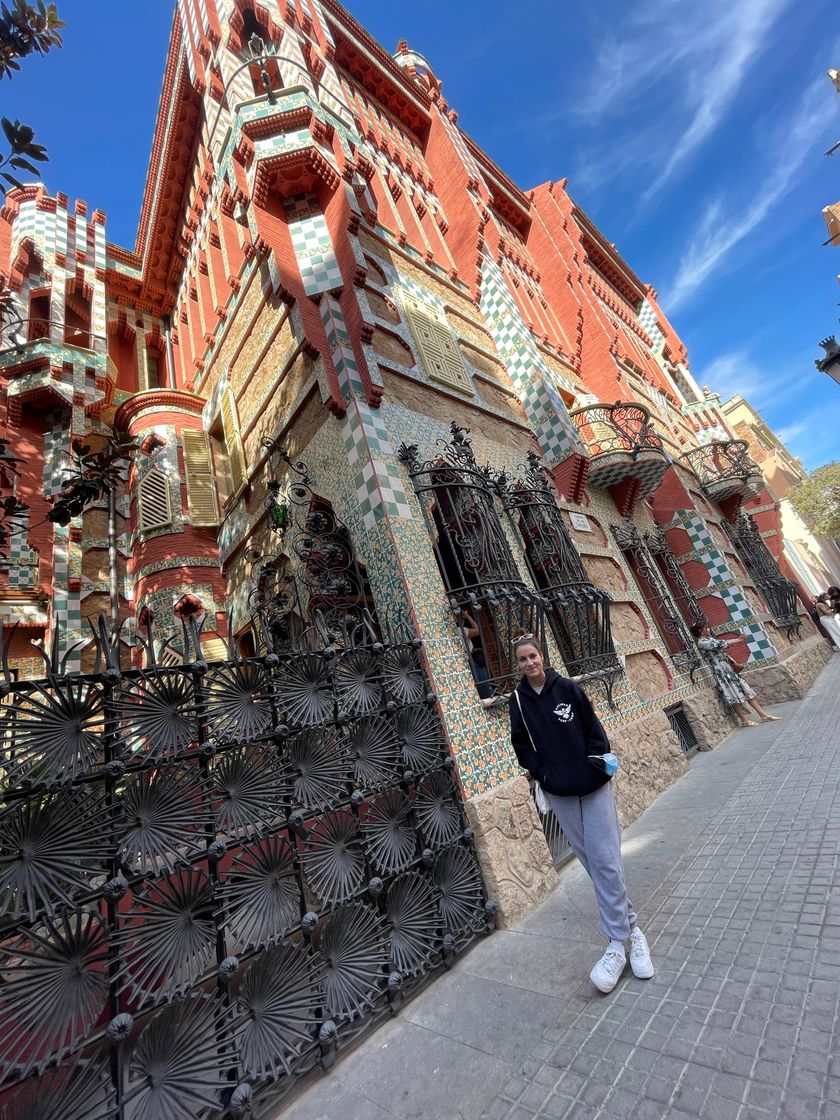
column 233, row 441
column 213, row 648
column 201, row 483
column 441, row 357
column 154, row 502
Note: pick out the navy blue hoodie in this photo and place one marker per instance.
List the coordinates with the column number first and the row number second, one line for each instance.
column 564, row 730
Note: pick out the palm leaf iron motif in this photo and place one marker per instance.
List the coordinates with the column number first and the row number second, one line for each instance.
column 213, row 876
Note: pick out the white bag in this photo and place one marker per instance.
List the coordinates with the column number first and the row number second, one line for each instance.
column 540, row 798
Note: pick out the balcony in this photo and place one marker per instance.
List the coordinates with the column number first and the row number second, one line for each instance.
column 56, row 371
column 622, row 444
column 725, row 469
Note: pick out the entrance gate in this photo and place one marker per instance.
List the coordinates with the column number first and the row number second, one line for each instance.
column 214, row 876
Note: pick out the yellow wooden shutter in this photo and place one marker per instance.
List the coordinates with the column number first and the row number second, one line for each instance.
column 154, row 502
column 201, row 483
column 233, row 441
column 213, row 648
column 441, row 357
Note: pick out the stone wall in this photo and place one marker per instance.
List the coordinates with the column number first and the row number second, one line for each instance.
column 791, row 677
column 710, row 721
column 651, row 760
column 518, row 869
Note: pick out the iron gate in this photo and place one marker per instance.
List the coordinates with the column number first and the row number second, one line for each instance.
column 213, row 876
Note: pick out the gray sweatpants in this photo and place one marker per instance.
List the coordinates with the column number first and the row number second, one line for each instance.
column 591, row 826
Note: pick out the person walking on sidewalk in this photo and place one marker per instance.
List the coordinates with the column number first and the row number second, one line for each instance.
column 554, row 730
column 735, row 692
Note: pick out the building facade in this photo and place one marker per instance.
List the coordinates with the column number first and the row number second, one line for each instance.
column 496, row 417
column 814, row 562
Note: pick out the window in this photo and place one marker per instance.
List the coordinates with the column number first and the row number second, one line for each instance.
column 201, row 483
column 490, row 601
column 77, row 316
column 154, row 502
column 779, row 593
column 152, row 372
column 233, row 453
column 578, row 612
column 654, row 591
column 439, row 352
column 39, row 314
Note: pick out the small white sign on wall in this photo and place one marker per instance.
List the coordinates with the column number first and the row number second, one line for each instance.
column 580, row 522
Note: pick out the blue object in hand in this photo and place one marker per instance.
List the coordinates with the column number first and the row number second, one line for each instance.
column 606, row 762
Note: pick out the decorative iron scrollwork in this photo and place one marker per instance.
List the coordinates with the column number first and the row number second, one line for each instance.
column 607, row 428
column 780, row 594
column 578, row 612
column 655, row 592
column 490, row 601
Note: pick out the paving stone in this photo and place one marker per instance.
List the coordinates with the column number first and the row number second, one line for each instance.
column 740, row 898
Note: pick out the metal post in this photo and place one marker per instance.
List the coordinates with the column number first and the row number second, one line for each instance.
column 112, row 561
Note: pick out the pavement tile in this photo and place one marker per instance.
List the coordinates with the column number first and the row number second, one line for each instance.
column 742, row 1018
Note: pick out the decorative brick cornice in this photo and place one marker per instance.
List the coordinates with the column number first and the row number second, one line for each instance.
column 162, row 399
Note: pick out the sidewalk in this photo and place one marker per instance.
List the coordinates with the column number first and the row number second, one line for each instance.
column 732, row 871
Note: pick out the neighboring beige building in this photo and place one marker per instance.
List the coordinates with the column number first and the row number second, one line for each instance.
column 815, row 561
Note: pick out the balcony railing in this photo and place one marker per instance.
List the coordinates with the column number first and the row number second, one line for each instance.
column 725, row 468
column 622, row 442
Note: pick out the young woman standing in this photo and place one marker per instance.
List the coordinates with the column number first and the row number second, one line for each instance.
column 735, row 692
column 554, row 729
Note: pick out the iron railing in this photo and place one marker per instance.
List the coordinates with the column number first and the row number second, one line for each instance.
column 608, row 428
column 780, row 594
column 477, row 567
column 724, row 468
column 215, row 876
column 655, row 592
column 578, row 612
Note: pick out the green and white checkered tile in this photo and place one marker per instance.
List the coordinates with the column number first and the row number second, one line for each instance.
column 312, row 245
column 379, row 486
column 736, row 603
column 759, row 645
column 338, row 339
column 543, row 404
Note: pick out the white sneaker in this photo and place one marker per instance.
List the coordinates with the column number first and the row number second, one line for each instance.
column 607, row 972
column 640, row 960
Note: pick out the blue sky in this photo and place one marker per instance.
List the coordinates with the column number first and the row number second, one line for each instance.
column 692, row 133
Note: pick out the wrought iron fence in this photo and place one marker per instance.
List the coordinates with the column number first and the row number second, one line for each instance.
column 214, row 876
column 488, row 597
column 578, row 613
column 780, row 594
column 656, row 594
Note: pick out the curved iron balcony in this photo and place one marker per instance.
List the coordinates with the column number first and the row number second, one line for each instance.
column 622, row 443
column 725, row 468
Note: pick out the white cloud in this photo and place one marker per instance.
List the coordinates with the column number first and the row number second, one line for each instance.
column 722, row 228
column 735, row 372
column 680, row 63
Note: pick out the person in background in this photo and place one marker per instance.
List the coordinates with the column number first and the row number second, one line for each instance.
column 736, row 692
column 478, row 666
column 828, row 618
column 560, row 741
